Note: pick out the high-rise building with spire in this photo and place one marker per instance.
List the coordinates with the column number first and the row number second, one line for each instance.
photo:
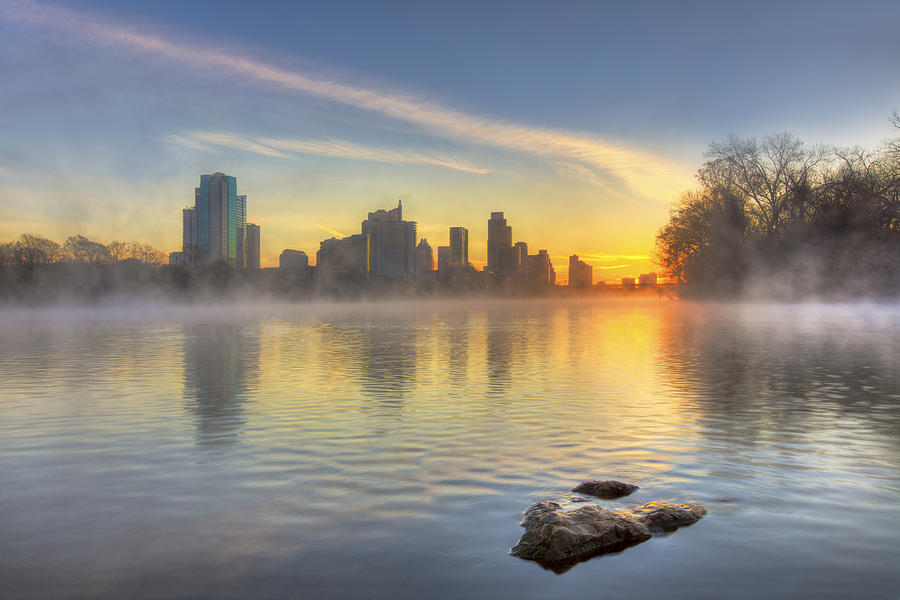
column 424, row 259
column 392, row 242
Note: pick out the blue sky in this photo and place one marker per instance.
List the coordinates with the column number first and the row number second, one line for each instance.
column 582, row 121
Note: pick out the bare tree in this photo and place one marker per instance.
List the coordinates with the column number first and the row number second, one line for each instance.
column 33, row 249
column 117, row 250
column 769, row 176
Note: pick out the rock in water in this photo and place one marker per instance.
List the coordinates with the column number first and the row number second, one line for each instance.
column 605, row 489
column 558, row 539
column 662, row 516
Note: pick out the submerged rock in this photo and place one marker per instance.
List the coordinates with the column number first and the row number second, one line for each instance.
column 605, row 489
column 558, row 539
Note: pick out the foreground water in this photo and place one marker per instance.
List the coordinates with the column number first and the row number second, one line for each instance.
column 384, row 451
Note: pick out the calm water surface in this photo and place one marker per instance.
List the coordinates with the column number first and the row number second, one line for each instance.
column 384, row 451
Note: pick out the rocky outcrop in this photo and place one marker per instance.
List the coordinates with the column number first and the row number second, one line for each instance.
column 558, row 539
column 605, row 489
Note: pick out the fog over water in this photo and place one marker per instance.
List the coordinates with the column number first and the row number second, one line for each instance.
column 387, row 450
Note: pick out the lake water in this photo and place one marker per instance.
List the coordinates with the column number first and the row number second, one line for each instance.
column 388, row 450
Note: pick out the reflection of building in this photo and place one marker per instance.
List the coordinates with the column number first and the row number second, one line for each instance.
column 379, row 352
column 424, row 259
column 214, row 229
column 647, row 279
column 501, row 345
column 293, row 260
column 392, row 242
column 221, row 364
column 540, row 269
column 459, row 247
column 581, row 274
column 252, row 246
column 499, row 244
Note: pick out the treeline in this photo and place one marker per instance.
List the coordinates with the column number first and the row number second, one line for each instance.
column 31, row 249
column 37, row 270
column 778, row 218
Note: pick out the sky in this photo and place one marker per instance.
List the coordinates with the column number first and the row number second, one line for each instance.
column 581, row 121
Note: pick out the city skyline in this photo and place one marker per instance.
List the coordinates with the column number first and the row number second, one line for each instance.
column 123, row 103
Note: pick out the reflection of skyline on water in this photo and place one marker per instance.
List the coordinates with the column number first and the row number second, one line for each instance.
column 499, row 348
column 380, row 355
column 221, row 370
column 444, row 423
column 748, row 368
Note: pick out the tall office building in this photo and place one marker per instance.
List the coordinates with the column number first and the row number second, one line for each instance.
column 392, row 242
column 214, row 228
column 345, row 256
column 424, row 258
column 189, row 240
column 499, row 244
column 459, row 246
column 520, row 257
column 444, row 262
column 252, row 246
column 241, row 260
column 581, row 274
column 540, row 269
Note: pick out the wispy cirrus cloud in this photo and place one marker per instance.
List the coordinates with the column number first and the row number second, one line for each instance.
column 203, row 140
column 283, row 147
column 643, row 172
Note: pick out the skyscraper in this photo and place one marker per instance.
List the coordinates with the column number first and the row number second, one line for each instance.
column 581, row 274
column 520, row 258
column 499, row 243
column 189, row 239
column 214, row 228
column 444, row 262
column 424, row 258
column 241, row 260
column 459, row 246
column 252, row 246
column 540, row 269
column 392, row 242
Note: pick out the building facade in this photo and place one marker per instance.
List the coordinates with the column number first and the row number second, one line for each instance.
column 295, row 261
column 252, row 246
column 424, row 259
column 215, row 227
column 499, row 244
column 344, row 256
column 581, row 274
column 392, row 242
column 459, row 247
column 647, row 279
column 540, row 269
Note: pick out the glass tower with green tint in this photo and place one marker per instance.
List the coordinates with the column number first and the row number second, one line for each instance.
column 218, row 222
